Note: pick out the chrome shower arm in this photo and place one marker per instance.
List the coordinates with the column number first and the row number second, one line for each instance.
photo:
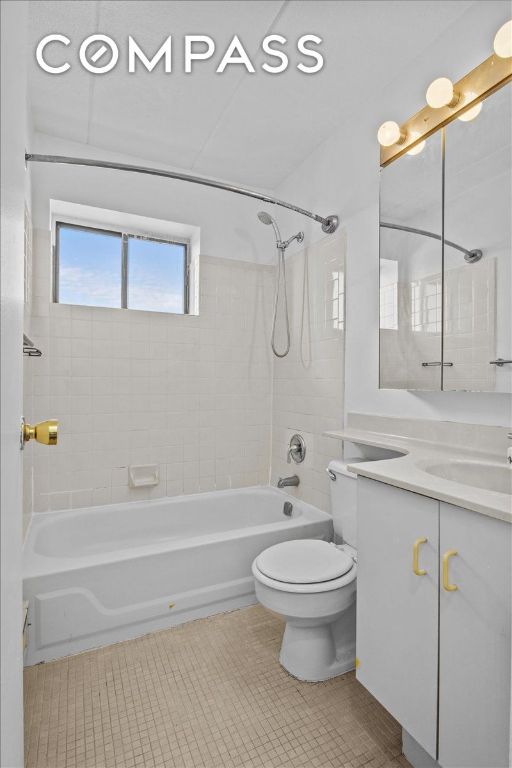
column 329, row 223
column 299, row 237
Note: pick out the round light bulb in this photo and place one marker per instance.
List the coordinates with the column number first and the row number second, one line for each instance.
column 417, row 149
column 440, row 93
column 389, row 133
column 471, row 113
column 503, row 41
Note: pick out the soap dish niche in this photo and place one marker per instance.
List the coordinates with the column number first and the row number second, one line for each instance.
column 143, row 475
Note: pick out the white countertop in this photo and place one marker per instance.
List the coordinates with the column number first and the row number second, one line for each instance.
column 407, row 471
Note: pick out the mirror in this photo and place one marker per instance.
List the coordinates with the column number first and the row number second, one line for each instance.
column 411, row 270
column 446, row 312
column 478, row 214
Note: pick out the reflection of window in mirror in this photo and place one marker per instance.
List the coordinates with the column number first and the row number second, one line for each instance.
column 389, row 294
column 338, row 300
column 426, row 305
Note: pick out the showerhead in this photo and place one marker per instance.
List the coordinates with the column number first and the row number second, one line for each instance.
column 265, row 217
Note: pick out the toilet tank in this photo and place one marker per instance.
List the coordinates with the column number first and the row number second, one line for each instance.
column 343, row 502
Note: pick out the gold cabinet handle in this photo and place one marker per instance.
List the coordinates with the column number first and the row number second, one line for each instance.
column 446, row 579
column 46, row 432
column 415, row 557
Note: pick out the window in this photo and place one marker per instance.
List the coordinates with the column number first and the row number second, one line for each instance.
column 102, row 268
column 426, row 305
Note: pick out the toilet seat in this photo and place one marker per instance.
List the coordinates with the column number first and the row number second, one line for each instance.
column 304, row 566
column 304, row 561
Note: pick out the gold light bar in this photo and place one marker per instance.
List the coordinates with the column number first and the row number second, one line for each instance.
column 481, row 82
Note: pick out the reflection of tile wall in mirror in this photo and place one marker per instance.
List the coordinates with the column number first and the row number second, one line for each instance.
column 410, row 269
column 470, row 330
column 470, row 326
column 417, row 338
column 478, row 214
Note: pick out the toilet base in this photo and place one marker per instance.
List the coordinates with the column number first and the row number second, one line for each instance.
column 319, row 652
column 319, row 640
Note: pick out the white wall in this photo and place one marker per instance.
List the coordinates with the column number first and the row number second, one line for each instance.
column 13, row 192
column 342, row 176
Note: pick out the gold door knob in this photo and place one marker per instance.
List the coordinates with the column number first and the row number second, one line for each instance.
column 45, row 432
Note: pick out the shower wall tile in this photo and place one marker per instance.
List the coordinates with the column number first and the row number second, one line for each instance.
column 469, row 335
column 470, row 326
column 190, row 393
column 198, row 396
column 309, row 381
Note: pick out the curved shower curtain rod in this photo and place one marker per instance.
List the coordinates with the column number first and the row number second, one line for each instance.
column 469, row 256
column 329, row 223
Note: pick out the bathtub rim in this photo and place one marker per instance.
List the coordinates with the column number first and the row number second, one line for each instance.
column 36, row 564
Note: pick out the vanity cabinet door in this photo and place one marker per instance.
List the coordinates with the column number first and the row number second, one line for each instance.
column 474, row 673
column 397, row 610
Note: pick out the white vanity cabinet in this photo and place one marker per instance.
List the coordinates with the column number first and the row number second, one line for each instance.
column 397, row 612
column 474, row 640
column 434, row 621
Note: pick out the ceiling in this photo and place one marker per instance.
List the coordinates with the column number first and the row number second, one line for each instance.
column 252, row 129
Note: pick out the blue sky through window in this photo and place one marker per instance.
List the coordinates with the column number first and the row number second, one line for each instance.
column 89, row 267
column 156, row 275
column 90, row 271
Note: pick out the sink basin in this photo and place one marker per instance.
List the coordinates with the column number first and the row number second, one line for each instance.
column 479, row 474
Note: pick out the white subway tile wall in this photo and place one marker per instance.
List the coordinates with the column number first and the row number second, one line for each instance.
column 415, row 339
column 470, row 326
column 308, row 383
column 189, row 393
column 197, row 395
column 469, row 338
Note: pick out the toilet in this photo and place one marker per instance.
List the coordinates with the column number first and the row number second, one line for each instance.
column 311, row 584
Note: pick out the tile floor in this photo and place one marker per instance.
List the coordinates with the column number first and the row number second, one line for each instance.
column 208, row 694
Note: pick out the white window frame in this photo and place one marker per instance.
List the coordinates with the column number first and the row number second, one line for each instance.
column 124, row 235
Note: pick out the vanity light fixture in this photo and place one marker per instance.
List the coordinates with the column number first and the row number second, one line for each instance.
column 390, row 133
column 449, row 101
column 470, row 114
column 503, row 41
column 417, row 149
column 441, row 93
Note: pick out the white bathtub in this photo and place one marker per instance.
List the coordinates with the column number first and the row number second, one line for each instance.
column 103, row 574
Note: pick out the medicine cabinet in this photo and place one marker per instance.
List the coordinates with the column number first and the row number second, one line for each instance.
column 446, row 257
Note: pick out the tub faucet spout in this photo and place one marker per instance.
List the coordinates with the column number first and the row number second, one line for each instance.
column 285, row 482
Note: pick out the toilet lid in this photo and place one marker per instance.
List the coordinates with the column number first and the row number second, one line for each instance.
column 304, row 561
